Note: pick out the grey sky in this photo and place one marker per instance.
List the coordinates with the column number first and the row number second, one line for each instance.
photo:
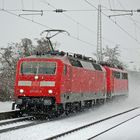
column 81, row 25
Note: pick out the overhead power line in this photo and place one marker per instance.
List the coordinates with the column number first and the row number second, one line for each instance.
column 109, row 3
column 56, row 10
column 17, row 15
column 32, row 12
column 69, row 17
column 119, row 26
column 138, row 10
column 43, row 25
column 77, row 22
column 41, row 12
column 126, row 14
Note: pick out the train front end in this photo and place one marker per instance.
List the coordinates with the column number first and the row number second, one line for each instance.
column 37, row 84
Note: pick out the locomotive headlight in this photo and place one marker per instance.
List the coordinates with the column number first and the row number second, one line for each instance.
column 50, row 91
column 36, row 77
column 21, row 90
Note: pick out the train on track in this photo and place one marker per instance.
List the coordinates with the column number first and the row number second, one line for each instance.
column 61, row 82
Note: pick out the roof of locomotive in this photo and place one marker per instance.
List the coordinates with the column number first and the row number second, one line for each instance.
column 112, row 67
column 70, row 59
column 115, row 69
column 65, row 57
column 50, row 57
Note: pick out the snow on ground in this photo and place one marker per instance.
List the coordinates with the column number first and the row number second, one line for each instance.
column 5, row 106
column 93, row 130
column 43, row 131
column 127, row 131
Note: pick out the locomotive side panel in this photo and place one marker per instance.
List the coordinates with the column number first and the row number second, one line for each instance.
column 85, row 85
column 117, row 81
column 120, row 83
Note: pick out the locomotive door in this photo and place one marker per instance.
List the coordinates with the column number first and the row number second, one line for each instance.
column 67, row 78
column 112, row 79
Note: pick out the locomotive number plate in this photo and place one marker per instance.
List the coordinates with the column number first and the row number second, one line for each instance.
column 35, row 83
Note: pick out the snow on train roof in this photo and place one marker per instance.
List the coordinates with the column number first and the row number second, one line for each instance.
column 69, row 59
column 56, row 57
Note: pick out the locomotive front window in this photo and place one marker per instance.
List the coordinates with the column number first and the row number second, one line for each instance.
column 38, row 68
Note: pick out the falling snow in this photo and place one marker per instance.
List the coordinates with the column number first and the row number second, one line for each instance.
column 126, row 131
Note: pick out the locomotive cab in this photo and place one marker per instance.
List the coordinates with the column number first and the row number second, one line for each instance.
column 38, row 82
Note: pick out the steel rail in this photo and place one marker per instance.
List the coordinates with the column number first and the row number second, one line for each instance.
column 113, row 127
column 15, row 120
column 10, row 114
column 21, row 126
column 90, row 124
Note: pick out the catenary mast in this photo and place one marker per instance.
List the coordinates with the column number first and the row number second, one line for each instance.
column 99, row 36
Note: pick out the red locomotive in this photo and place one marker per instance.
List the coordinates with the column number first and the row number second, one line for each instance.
column 61, row 82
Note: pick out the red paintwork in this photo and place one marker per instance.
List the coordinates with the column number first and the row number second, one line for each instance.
column 76, row 80
column 35, row 89
column 88, row 81
column 115, row 85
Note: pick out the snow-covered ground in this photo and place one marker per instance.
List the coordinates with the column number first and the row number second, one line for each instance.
column 127, row 131
column 101, row 127
column 5, row 106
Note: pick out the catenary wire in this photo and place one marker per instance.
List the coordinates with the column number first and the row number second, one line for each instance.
column 119, row 26
column 43, row 25
column 135, row 24
column 44, row 10
column 77, row 22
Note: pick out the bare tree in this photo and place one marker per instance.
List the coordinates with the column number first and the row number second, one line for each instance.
column 27, row 46
column 43, row 45
column 111, row 56
column 8, row 60
column 7, row 71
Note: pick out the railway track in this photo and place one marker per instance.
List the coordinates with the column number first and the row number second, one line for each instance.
column 75, row 130
column 113, row 127
column 19, row 123
column 10, row 114
column 16, row 120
